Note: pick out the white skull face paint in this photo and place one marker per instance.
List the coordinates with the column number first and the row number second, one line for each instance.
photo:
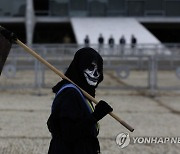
column 91, row 74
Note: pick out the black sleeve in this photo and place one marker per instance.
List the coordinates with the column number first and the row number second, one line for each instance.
column 71, row 118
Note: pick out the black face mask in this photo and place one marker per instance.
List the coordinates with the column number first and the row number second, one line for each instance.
column 86, row 59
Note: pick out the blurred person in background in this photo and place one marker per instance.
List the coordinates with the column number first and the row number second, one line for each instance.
column 111, row 42
column 133, row 41
column 100, row 42
column 86, row 41
column 122, row 43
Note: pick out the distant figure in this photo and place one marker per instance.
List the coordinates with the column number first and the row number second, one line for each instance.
column 122, row 40
column 133, row 41
column 111, row 42
column 100, row 42
column 122, row 43
column 86, row 41
column 66, row 39
column 101, row 39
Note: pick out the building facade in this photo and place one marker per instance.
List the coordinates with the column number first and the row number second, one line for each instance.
column 49, row 21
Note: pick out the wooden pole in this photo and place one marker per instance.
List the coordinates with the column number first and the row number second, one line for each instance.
column 42, row 60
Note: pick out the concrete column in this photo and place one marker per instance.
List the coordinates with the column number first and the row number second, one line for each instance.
column 30, row 24
column 30, row 21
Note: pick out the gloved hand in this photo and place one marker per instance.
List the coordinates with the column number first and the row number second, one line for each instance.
column 10, row 36
column 101, row 110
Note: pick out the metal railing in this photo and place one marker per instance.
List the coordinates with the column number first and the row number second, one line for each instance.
column 151, row 67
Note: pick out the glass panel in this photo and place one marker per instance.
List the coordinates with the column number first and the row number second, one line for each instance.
column 78, row 5
column 19, row 7
column 97, row 8
column 5, row 10
column 59, row 8
column 135, row 8
column 116, row 7
column 154, row 4
column 173, row 8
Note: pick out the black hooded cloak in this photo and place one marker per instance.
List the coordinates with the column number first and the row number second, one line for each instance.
column 72, row 127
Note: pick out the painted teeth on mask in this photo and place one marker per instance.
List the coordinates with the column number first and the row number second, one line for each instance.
column 91, row 78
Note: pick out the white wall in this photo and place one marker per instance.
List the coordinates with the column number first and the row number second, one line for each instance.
column 111, row 26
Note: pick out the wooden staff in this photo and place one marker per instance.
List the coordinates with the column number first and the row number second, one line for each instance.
column 33, row 53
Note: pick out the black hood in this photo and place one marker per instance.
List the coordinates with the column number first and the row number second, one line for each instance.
column 82, row 59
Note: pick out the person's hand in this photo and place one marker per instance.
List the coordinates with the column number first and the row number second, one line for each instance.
column 10, row 36
column 101, row 110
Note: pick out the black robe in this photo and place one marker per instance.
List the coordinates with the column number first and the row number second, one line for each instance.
column 73, row 128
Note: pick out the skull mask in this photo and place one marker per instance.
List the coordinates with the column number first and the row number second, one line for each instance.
column 92, row 74
column 86, row 70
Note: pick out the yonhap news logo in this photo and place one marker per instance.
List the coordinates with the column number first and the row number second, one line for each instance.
column 124, row 139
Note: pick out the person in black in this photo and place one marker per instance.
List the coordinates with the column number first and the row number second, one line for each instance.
column 133, row 44
column 122, row 40
column 122, row 43
column 133, row 41
column 101, row 39
column 111, row 42
column 73, row 121
column 100, row 42
column 86, row 41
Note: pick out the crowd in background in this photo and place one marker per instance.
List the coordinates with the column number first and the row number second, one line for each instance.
column 111, row 41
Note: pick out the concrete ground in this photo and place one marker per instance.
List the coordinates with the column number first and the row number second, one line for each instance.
column 23, row 116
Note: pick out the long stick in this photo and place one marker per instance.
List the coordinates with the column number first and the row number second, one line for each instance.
column 33, row 53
